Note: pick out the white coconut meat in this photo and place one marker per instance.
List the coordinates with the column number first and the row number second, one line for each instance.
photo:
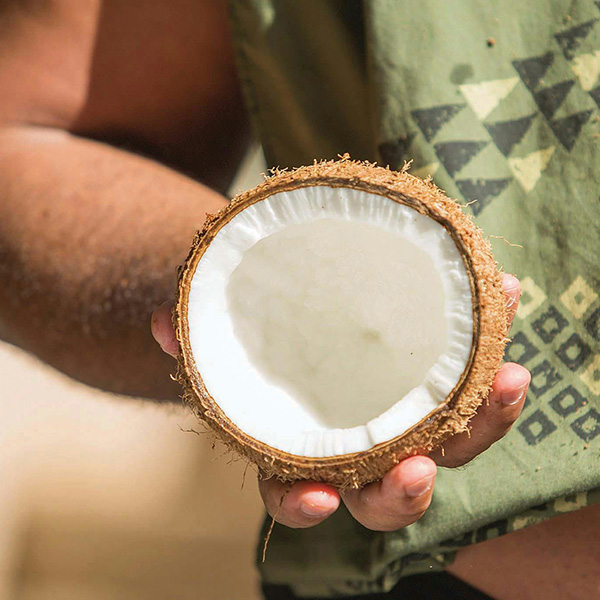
column 324, row 321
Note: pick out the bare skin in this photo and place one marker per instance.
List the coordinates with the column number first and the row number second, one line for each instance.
column 557, row 559
column 90, row 235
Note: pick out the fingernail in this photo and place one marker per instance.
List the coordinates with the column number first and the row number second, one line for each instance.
column 513, row 397
column 509, row 282
column 414, row 490
column 317, row 504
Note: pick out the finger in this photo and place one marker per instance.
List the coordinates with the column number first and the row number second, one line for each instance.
column 493, row 420
column 396, row 501
column 512, row 289
column 162, row 328
column 304, row 505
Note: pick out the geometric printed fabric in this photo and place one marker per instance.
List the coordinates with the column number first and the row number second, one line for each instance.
column 557, row 93
column 541, row 104
column 502, row 109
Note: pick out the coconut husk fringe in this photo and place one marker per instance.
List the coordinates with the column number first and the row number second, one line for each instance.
column 452, row 416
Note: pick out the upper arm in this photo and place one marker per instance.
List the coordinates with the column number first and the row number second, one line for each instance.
column 90, row 63
column 45, row 51
column 156, row 77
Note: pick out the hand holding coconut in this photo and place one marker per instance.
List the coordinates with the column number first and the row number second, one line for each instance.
column 404, row 493
column 333, row 323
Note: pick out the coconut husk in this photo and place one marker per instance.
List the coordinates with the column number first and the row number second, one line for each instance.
column 451, row 417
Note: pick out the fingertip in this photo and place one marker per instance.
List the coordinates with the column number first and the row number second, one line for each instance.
column 415, row 475
column 511, row 376
column 493, row 419
column 318, row 502
column 512, row 290
column 510, row 283
column 161, row 325
column 510, row 387
column 300, row 505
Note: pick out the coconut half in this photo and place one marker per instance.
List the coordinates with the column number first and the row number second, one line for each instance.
column 336, row 319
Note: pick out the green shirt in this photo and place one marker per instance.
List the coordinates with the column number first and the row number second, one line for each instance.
column 499, row 102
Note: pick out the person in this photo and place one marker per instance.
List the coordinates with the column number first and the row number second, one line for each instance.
column 121, row 126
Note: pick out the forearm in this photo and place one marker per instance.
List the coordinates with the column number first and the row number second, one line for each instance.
column 90, row 238
column 556, row 559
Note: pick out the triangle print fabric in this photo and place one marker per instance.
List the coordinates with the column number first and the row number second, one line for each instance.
column 499, row 102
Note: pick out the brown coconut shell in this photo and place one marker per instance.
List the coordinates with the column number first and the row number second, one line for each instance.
column 451, row 417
